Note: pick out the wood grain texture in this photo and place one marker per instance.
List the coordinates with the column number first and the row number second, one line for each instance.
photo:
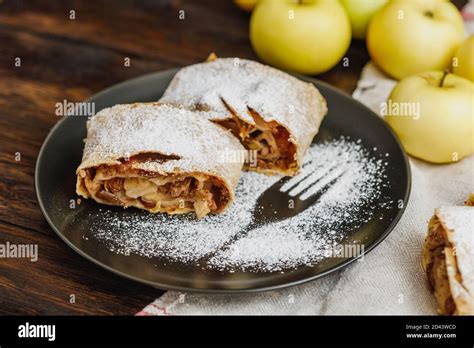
column 70, row 59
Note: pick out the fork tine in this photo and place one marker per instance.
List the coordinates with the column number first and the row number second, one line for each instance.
column 309, row 192
column 305, row 164
column 313, row 177
column 290, row 184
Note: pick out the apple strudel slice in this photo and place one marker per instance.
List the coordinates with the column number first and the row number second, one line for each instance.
column 273, row 114
column 448, row 259
column 159, row 158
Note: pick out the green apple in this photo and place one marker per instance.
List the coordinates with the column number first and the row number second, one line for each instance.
column 246, row 5
column 432, row 113
column 410, row 36
column 463, row 61
column 360, row 13
column 305, row 36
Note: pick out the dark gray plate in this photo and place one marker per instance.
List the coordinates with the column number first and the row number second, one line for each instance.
column 62, row 150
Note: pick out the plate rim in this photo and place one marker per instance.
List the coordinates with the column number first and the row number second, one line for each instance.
column 167, row 287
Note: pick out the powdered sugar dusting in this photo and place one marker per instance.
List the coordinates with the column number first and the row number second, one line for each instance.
column 217, row 242
column 458, row 221
column 242, row 84
column 125, row 130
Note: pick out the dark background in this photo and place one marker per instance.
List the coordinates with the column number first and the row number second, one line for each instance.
column 73, row 59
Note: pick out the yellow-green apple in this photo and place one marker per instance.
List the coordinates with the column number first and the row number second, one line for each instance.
column 305, row 36
column 246, row 5
column 432, row 113
column 463, row 61
column 360, row 13
column 410, row 36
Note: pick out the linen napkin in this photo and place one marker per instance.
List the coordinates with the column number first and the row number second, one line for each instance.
column 388, row 280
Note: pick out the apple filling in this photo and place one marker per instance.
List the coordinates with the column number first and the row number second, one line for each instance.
column 270, row 140
column 174, row 193
column 438, row 251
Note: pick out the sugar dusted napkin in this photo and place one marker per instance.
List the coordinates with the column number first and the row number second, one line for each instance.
column 389, row 280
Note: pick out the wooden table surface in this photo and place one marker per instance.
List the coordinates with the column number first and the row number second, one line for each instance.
column 63, row 58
